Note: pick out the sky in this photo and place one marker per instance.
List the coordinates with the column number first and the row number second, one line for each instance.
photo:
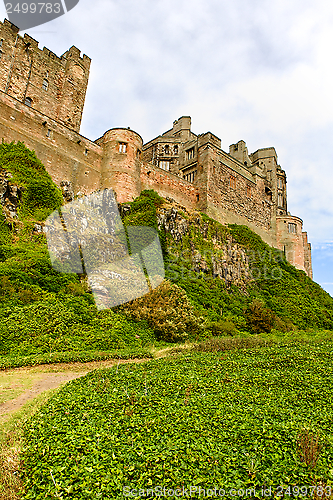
column 257, row 70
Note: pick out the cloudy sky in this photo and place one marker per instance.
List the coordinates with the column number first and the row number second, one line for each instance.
column 257, row 70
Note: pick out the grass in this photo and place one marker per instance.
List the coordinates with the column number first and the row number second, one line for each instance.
column 7, row 362
column 14, row 384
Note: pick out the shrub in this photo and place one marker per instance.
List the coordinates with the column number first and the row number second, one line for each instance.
column 222, row 327
column 259, row 317
column 167, row 311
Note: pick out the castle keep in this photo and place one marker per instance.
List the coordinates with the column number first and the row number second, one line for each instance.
column 41, row 104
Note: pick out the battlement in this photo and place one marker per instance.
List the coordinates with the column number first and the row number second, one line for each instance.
column 55, row 86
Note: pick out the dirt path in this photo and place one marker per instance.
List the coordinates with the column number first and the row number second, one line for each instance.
column 43, row 378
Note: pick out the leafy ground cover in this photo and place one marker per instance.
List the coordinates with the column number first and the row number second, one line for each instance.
column 239, row 418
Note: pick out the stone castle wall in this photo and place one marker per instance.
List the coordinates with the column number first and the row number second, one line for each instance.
column 41, row 103
column 55, row 86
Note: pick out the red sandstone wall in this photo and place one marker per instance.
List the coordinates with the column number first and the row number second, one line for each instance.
column 121, row 170
column 61, row 154
column 236, row 193
column 24, row 67
column 291, row 243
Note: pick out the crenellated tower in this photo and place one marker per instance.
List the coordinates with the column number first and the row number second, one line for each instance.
column 55, row 86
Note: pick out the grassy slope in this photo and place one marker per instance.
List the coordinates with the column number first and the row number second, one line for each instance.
column 202, row 419
column 47, row 316
column 294, row 298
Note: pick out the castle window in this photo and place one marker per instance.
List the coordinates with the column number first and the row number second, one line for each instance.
column 49, row 133
column 175, row 150
column 280, row 200
column 45, row 84
column 232, row 182
column 236, row 147
column 190, row 154
column 1, row 42
column 122, row 147
column 28, row 102
column 190, row 176
column 166, row 149
column 86, row 152
column 197, row 197
column 0, row 54
column 248, row 191
column 164, row 165
column 279, row 183
column 138, row 154
column 292, row 228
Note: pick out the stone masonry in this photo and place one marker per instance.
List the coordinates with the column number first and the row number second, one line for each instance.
column 41, row 104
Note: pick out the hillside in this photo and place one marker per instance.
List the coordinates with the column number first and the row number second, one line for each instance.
column 220, row 280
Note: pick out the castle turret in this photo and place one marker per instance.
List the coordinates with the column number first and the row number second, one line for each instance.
column 293, row 241
column 121, row 163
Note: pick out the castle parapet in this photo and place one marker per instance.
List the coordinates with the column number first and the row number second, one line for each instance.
column 209, row 138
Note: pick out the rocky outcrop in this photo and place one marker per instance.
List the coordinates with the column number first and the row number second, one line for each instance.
column 67, row 191
column 223, row 257
column 10, row 197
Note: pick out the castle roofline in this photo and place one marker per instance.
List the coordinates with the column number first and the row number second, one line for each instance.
column 128, row 129
column 29, row 40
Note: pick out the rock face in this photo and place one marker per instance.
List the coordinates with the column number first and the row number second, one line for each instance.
column 67, row 191
column 199, row 251
column 10, row 197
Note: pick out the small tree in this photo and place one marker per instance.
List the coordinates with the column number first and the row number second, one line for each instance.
column 168, row 312
column 259, row 317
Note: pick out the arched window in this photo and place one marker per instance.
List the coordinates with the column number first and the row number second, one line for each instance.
column 28, row 101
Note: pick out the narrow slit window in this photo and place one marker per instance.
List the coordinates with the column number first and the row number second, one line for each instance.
column 233, row 182
column 280, row 200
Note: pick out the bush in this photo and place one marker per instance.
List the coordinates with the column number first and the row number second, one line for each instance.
column 259, row 317
column 168, row 312
column 222, row 327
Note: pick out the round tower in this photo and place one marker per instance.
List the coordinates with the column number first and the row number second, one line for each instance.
column 121, row 163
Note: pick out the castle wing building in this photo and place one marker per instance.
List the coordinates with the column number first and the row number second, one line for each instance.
column 41, row 104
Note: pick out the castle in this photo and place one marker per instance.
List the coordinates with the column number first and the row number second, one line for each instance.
column 41, row 104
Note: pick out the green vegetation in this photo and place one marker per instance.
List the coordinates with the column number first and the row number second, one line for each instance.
column 48, row 315
column 234, row 408
column 248, row 417
column 40, row 196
